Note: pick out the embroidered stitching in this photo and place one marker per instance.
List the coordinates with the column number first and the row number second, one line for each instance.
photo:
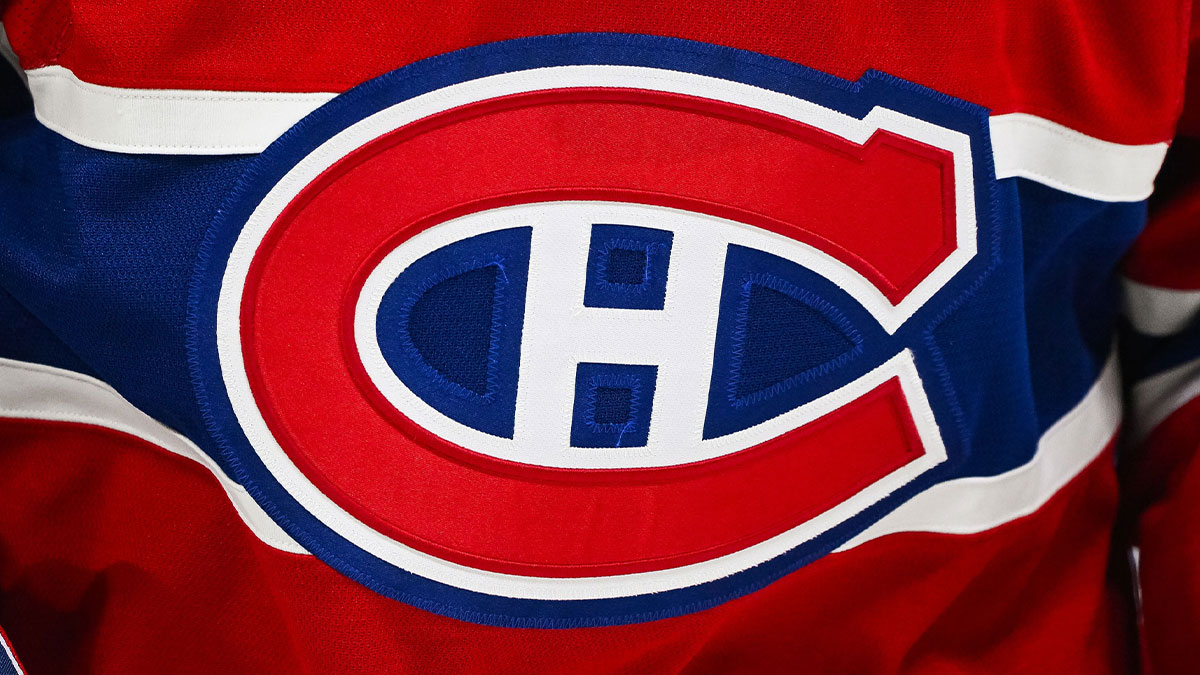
column 652, row 251
column 625, row 381
column 493, row 358
column 739, row 339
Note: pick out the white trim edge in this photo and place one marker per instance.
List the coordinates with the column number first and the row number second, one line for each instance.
column 959, row 506
column 1158, row 311
column 8, row 652
column 197, row 122
column 164, row 121
column 37, row 392
column 1057, row 156
column 1155, row 398
column 976, row 504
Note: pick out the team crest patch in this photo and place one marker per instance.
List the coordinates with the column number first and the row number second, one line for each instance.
column 594, row 329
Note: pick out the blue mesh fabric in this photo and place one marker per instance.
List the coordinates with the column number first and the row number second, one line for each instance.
column 783, row 338
column 626, row 266
column 24, row 338
column 97, row 250
column 613, row 405
column 451, row 326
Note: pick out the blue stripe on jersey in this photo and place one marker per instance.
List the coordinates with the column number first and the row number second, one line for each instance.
column 1073, row 247
column 99, row 248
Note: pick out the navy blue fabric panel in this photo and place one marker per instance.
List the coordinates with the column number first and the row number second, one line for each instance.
column 785, row 336
column 783, row 332
column 24, row 338
column 450, row 326
column 99, row 248
column 981, row 361
column 126, row 326
column 627, row 267
column 1073, row 248
column 614, row 404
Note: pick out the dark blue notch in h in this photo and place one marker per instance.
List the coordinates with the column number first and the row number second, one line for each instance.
column 627, row 267
column 613, row 404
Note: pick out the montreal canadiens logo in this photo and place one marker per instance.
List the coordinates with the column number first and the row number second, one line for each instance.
column 592, row 329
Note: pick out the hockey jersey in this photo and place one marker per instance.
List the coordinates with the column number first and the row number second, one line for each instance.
column 599, row 337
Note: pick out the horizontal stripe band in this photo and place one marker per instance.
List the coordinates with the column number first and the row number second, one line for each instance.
column 1056, row 156
column 1156, row 397
column 174, row 121
column 1157, row 311
column 164, row 121
column 34, row 391
column 975, row 504
column 959, row 506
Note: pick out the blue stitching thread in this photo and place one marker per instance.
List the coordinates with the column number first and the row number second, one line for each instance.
column 930, row 339
column 631, row 382
column 652, row 250
column 737, row 352
column 498, row 298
